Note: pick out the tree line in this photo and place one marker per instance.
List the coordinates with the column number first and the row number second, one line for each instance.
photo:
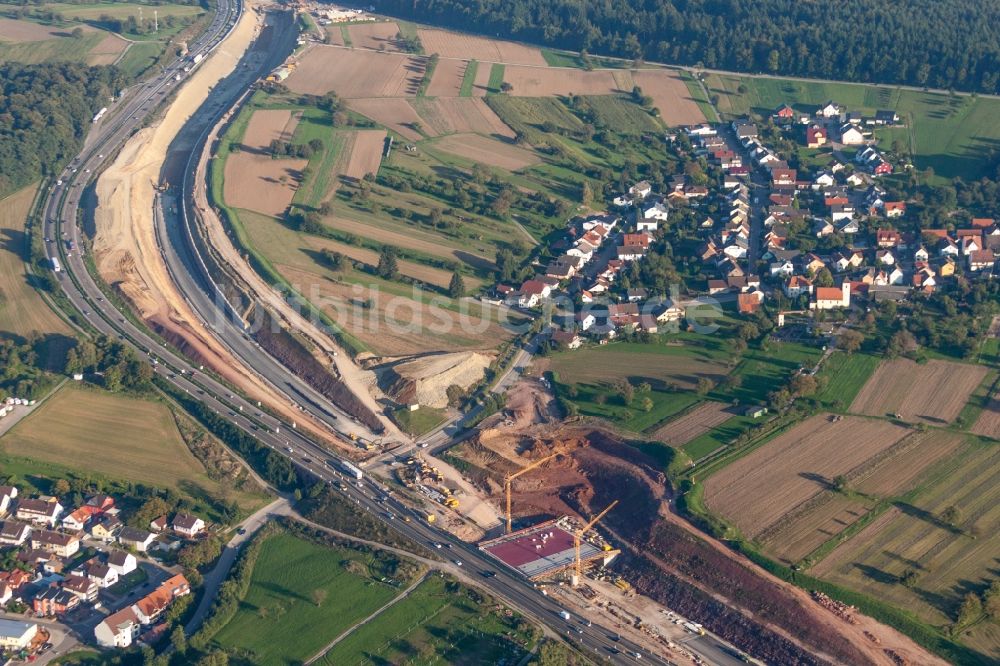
column 939, row 43
column 45, row 111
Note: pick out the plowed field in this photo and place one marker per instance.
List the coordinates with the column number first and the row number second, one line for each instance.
column 461, row 114
column 933, row 392
column 454, row 45
column 355, row 73
column 695, row 422
column 760, row 488
column 447, row 79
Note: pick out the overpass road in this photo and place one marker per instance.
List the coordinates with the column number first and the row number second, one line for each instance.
column 314, row 461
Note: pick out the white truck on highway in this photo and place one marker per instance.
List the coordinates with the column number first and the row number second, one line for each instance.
column 100, row 114
column 55, row 265
column 564, row 615
column 352, row 470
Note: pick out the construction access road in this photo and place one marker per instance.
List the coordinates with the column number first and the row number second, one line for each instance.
column 313, row 459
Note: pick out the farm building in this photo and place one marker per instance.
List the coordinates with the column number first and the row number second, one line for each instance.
column 543, row 550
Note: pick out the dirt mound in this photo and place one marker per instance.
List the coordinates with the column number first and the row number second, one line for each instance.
column 425, row 379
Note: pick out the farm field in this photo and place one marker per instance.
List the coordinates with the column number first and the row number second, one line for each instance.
column 253, row 179
column 447, row 79
column 934, row 392
column 693, row 423
column 844, row 375
column 365, row 153
column 895, row 472
column 719, row 436
column 461, row 46
column 763, row 486
column 396, row 114
column 280, row 601
column 949, row 558
column 325, row 68
column 483, row 150
column 340, row 296
column 115, row 436
column 950, row 135
column 456, row 114
column 119, row 10
column 439, row 621
column 33, row 43
column 379, row 36
column 22, row 309
column 679, row 364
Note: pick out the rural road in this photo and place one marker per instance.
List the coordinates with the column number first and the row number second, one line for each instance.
column 214, row 578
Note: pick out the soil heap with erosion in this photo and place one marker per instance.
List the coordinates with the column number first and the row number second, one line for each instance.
column 663, row 555
column 425, row 379
column 125, row 246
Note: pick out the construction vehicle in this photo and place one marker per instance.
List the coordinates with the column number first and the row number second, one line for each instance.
column 578, row 539
column 510, row 477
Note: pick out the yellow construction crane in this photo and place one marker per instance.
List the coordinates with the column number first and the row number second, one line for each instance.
column 578, row 538
column 511, row 477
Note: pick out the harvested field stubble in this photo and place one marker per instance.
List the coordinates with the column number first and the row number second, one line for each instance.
column 356, row 74
column 693, row 423
column 933, row 392
column 375, row 36
column 670, row 95
column 366, row 154
column 396, row 114
column 759, row 489
column 447, row 79
column 487, row 151
column 456, row 45
column 461, row 114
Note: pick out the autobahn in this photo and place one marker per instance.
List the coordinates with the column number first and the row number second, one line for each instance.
column 60, row 225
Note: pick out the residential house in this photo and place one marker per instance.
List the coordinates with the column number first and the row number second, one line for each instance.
column 122, row 562
column 850, row 135
column 13, row 533
column 6, row 594
column 101, row 573
column 106, row 529
column 532, row 293
column 881, row 168
column 887, row 238
column 749, row 302
column 135, row 539
column 822, row 227
column 782, row 269
column 828, row 298
column 58, row 543
column 812, row 264
column 981, row 260
column 971, row 244
column 883, row 117
column 784, row 112
column 885, row 258
column 42, row 511
column 100, row 503
column 659, row 211
column 187, row 525
column 16, row 635
column 567, row 339
column 829, row 110
column 118, row 630
column 798, row 285
column 7, row 496
column 81, row 586
column 54, row 601
column 783, row 176
column 158, row 524
column 815, row 136
column 840, row 212
column 744, row 129
column 894, row 208
column 921, row 254
column 824, row 179
column 153, row 604
column 641, row 190
column 76, row 520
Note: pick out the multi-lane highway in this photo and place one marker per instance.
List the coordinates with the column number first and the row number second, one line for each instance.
column 60, row 226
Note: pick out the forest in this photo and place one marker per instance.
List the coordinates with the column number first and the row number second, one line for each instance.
column 45, row 111
column 948, row 44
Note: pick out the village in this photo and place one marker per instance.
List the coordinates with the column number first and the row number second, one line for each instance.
column 85, row 571
column 820, row 235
